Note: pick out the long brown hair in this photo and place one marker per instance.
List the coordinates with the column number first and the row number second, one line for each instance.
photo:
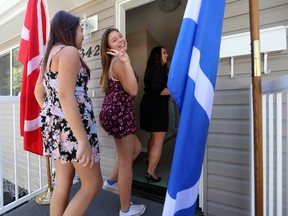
column 62, row 30
column 105, row 59
column 154, row 58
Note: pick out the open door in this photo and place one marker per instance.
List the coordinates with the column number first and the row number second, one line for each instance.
column 146, row 25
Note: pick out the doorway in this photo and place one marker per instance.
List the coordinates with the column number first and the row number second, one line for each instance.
column 146, row 25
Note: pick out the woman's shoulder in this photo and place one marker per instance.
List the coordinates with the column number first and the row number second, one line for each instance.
column 59, row 50
column 70, row 49
column 69, row 52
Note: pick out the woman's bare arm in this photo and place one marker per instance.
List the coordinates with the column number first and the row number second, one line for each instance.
column 39, row 91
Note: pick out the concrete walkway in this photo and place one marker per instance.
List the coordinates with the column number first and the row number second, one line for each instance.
column 105, row 204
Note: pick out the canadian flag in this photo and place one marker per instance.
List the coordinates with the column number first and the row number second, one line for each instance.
column 31, row 51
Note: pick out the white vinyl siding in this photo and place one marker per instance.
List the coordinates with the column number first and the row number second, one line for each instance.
column 228, row 188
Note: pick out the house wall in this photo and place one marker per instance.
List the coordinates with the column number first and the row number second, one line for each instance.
column 228, row 153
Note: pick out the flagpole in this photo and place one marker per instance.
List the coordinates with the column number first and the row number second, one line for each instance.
column 48, row 173
column 257, row 105
column 45, row 197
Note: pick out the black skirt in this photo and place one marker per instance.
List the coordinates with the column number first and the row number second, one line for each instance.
column 154, row 113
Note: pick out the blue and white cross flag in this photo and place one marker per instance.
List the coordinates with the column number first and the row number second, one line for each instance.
column 191, row 81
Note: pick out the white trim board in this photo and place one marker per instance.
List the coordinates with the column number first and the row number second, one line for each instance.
column 271, row 39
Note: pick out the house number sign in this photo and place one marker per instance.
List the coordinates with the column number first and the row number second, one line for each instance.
column 88, row 52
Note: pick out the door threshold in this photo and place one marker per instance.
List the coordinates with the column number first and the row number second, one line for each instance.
column 156, row 193
column 151, row 191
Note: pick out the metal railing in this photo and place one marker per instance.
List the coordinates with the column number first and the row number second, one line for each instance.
column 275, row 126
column 23, row 170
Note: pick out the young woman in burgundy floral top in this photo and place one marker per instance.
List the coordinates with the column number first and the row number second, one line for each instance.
column 120, row 85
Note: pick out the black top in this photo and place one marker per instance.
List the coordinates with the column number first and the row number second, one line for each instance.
column 154, row 114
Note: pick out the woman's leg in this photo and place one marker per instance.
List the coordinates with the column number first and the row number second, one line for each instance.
column 91, row 183
column 125, row 148
column 60, row 196
column 137, row 149
column 155, row 150
column 149, row 146
column 114, row 174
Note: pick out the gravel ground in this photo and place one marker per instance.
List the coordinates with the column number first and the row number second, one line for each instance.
column 9, row 191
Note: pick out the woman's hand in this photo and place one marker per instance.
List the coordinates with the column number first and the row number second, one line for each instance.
column 123, row 71
column 84, row 154
column 122, row 55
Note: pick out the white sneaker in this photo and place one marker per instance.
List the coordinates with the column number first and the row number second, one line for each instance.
column 112, row 188
column 134, row 210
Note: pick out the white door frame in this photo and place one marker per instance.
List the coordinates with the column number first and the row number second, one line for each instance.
column 121, row 6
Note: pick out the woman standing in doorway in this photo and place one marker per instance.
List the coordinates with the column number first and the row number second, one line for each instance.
column 120, row 85
column 154, row 115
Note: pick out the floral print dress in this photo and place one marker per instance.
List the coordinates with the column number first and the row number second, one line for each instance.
column 58, row 137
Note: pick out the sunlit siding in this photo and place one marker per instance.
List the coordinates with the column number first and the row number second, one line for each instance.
column 227, row 175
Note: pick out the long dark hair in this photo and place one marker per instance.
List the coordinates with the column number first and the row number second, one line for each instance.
column 63, row 30
column 105, row 59
column 154, row 58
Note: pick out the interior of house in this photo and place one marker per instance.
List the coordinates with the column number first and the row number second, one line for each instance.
column 154, row 24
